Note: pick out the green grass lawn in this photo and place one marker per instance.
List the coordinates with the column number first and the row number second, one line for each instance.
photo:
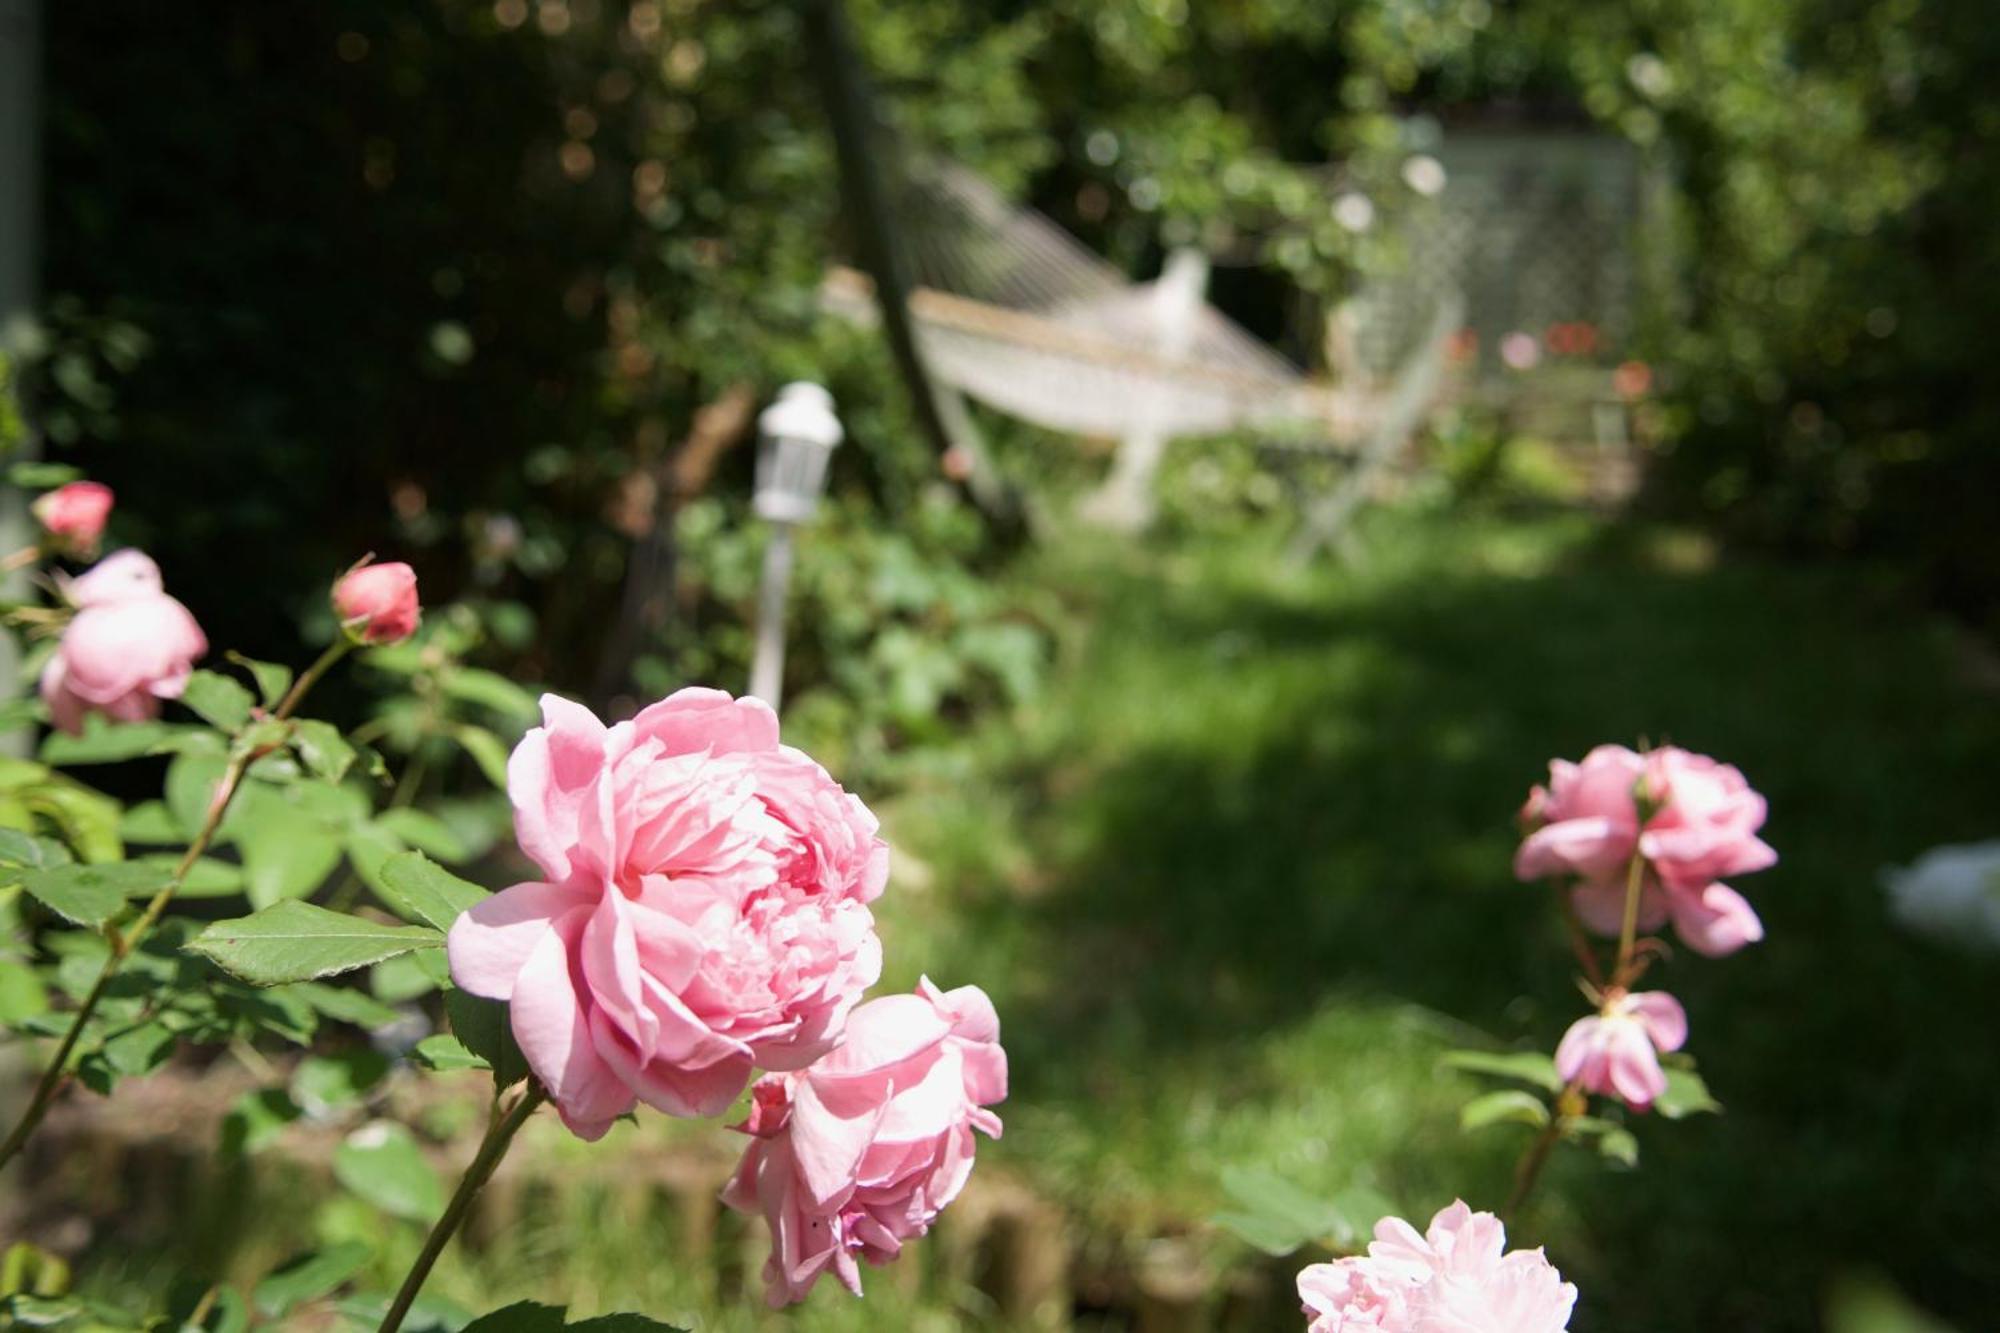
column 1242, row 874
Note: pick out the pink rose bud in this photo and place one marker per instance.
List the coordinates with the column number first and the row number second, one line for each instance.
column 859, row 1152
column 1615, row 1052
column 1458, row 1277
column 378, row 603
column 703, row 908
column 74, row 516
column 129, row 647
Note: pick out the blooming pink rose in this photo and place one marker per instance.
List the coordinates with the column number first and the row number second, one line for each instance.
column 378, row 603
column 1458, row 1277
column 74, row 516
column 1587, row 822
column 1615, row 1052
column 129, row 646
column 858, row 1153
column 1703, row 825
column 704, row 909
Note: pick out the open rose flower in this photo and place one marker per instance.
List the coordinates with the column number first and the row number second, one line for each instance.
column 1458, row 1277
column 1702, row 825
column 1616, row 1052
column 378, row 603
column 74, row 516
column 703, row 911
column 129, row 646
column 858, row 1153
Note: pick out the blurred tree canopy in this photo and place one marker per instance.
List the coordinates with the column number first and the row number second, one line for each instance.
column 467, row 274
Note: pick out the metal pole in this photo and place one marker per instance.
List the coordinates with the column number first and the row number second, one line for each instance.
column 767, row 670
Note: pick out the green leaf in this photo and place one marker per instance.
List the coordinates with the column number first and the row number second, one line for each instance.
column 1686, row 1095
column 21, row 852
column 309, row 1277
column 295, row 941
column 323, row 1082
column 92, row 895
column 487, row 1030
column 16, row 714
column 257, row 1119
column 382, row 1163
column 39, row 476
column 273, row 678
column 87, row 820
column 420, row 890
column 444, row 1054
column 1507, row 1104
column 1525, row 1066
column 369, row 847
column 1272, row 1213
column 206, row 878
column 139, row 1050
column 149, row 824
column 191, row 783
column 1356, row 1211
column 427, row 833
column 104, row 742
column 1618, row 1145
column 220, row 701
column 414, row 975
column 490, row 689
column 346, row 1004
column 322, row 749
column 22, row 994
column 486, row 750
column 287, row 852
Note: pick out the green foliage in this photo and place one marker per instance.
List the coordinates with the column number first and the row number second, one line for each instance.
column 296, row 941
column 1278, row 1217
column 382, row 1163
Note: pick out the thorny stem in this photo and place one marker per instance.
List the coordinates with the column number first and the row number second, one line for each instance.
column 125, row 943
column 501, row 1126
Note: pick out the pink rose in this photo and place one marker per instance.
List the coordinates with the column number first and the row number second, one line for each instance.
column 1703, row 825
column 1458, row 1277
column 378, row 603
column 129, row 646
column 74, row 515
column 858, row 1153
column 1615, row 1052
column 1586, row 821
column 704, row 909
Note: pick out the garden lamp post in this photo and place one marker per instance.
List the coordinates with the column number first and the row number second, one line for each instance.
column 796, row 435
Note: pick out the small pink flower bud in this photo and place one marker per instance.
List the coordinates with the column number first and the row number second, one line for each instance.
column 378, row 603
column 74, row 516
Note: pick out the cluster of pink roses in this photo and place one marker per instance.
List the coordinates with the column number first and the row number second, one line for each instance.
column 1458, row 1277
column 130, row 645
column 1642, row 839
column 703, row 914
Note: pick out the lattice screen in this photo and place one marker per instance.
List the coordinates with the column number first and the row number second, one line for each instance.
column 1535, row 228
